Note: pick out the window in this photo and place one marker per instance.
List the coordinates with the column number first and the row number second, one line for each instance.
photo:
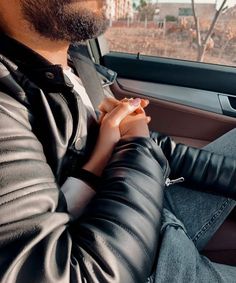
column 204, row 32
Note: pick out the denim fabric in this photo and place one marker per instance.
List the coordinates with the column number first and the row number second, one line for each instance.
column 190, row 218
column 180, row 262
column 200, row 213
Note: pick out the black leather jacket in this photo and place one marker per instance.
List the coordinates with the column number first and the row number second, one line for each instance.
column 201, row 169
column 116, row 238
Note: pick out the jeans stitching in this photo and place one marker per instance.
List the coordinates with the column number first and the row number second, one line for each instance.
column 176, row 223
column 215, row 216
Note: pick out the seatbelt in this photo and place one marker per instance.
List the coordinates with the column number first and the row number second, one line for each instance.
column 105, row 75
column 95, row 77
column 87, row 73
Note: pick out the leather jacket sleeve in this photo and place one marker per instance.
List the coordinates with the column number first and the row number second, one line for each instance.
column 201, row 169
column 115, row 240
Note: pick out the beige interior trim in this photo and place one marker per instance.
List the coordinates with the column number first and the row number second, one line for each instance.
column 190, row 125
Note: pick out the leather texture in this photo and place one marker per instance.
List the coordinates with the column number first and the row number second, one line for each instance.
column 116, row 239
column 201, row 169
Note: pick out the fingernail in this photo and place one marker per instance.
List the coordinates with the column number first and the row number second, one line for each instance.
column 135, row 102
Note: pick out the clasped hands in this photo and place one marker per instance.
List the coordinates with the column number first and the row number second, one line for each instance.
column 118, row 119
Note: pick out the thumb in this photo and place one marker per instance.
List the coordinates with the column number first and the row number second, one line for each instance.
column 123, row 110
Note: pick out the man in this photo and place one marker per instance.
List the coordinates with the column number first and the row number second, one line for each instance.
column 49, row 232
column 44, row 122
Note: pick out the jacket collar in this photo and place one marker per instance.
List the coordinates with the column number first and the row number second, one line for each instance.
column 44, row 74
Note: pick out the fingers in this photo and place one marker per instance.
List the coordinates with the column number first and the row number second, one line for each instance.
column 101, row 117
column 122, row 110
column 108, row 104
column 148, row 119
column 144, row 103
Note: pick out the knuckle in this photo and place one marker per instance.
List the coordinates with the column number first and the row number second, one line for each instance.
column 109, row 123
column 125, row 105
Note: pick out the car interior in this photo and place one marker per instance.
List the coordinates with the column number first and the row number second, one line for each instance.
column 192, row 102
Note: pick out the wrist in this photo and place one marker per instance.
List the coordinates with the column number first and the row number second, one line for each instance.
column 98, row 160
column 97, row 164
column 93, row 168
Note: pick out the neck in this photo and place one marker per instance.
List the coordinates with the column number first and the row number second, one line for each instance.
column 53, row 51
column 56, row 55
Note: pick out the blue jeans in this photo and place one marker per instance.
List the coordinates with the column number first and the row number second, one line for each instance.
column 190, row 219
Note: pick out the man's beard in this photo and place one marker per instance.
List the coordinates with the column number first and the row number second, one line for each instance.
column 60, row 21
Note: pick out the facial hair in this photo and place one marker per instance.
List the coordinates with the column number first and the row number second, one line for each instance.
column 59, row 20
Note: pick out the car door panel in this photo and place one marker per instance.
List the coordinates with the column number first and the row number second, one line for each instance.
column 185, row 124
column 201, row 99
column 228, row 104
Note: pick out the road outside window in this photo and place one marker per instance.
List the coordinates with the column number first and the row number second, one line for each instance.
column 196, row 30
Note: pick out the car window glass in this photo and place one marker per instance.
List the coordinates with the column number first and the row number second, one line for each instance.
column 196, row 30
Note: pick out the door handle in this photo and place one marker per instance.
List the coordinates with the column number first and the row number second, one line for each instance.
column 226, row 105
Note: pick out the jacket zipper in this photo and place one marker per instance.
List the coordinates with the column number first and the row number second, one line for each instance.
column 170, row 182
